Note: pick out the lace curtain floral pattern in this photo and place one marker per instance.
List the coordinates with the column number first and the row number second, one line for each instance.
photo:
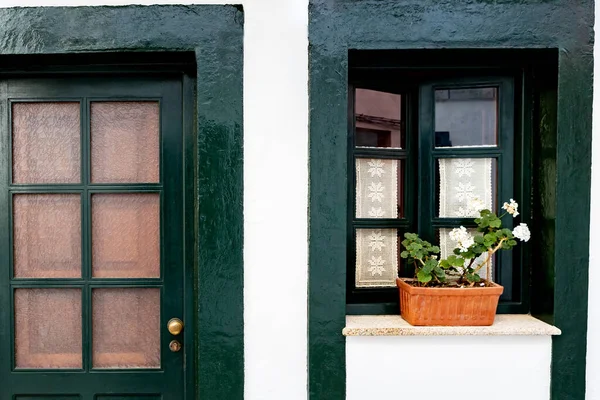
column 376, row 197
column 462, row 180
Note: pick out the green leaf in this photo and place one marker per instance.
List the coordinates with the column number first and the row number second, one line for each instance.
column 456, row 261
column 473, row 277
column 423, row 277
column 440, row 273
column 429, row 266
column 467, row 255
column 489, row 237
column 404, row 254
column 496, row 223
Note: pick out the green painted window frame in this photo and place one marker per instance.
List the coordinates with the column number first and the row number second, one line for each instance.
column 419, row 176
column 566, row 58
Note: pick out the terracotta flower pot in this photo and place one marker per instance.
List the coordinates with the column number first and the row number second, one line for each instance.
column 423, row 306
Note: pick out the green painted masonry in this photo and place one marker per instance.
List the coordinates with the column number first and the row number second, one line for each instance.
column 213, row 149
column 337, row 26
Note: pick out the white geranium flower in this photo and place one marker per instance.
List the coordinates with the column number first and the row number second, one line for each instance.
column 522, row 232
column 456, row 233
column 463, row 239
column 476, row 205
column 511, row 207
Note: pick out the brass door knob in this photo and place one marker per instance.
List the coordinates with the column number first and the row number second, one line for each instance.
column 175, row 326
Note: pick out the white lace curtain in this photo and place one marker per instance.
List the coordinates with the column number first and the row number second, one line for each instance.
column 461, row 180
column 376, row 197
column 377, row 250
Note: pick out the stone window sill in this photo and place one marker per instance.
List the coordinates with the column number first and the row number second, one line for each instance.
column 394, row 325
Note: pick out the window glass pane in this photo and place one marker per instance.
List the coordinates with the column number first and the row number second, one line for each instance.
column 48, row 328
column 125, row 142
column 466, row 117
column 462, row 180
column 447, row 246
column 378, row 119
column 47, row 235
column 379, row 188
column 126, row 235
column 126, row 328
column 376, row 257
column 46, row 143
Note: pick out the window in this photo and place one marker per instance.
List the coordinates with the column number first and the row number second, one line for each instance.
column 422, row 144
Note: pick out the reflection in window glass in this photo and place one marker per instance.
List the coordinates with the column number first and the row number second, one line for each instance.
column 466, row 117
column 378, row 119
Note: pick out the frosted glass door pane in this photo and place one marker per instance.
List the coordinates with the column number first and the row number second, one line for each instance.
column 126, row 235
column 47, row 235
column 125, row 142
column 48, row 328
column 126, row 328
column 46, row 142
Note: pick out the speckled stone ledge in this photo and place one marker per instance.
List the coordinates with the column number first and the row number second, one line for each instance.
column 394, row 325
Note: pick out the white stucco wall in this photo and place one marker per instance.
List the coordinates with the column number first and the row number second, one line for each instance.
column 275, row 255
column 432, row 368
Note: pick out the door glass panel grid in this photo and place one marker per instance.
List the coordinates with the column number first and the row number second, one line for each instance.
column 142, row 119
column 30, row 304
column 126, row 324
column 20, row 224
column 53, row 146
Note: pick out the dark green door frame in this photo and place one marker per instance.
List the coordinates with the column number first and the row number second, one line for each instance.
column 213, row 178
column 338, row 26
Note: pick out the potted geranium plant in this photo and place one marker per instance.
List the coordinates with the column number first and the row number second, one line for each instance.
column 450, row 291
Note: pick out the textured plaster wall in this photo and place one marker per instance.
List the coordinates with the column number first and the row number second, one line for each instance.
column 593, row 345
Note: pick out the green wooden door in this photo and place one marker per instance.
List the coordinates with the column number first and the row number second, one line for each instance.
column 91, row 238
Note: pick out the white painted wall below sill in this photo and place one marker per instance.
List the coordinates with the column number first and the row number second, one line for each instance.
column 448, row 367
